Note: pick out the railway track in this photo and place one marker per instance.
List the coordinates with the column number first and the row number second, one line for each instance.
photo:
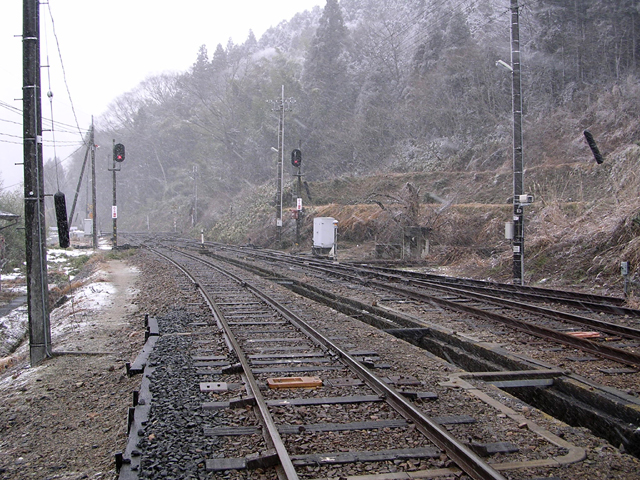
column 267, row 391
column 614, row 340
column 590, row 391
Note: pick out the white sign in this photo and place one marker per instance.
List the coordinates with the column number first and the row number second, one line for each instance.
column 299, row 204
column 114, row 211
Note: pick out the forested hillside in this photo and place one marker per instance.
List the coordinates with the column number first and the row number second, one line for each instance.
column 380, row 86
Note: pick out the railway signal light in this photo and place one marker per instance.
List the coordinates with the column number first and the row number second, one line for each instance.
column 296, row 158
column 594, row 148
column 118, row 152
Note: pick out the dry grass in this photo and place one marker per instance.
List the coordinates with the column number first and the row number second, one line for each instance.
column 585, row 220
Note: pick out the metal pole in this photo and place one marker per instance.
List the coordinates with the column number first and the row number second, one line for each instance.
column 194, row 217
column 280, row 169
column 299, row 212
column 114, row 210
column 518, row 181
column 93, row 187
column 75, row 197
column 35, row 235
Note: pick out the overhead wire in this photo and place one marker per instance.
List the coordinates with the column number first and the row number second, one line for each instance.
column 46, row 121
column 64, row 73
column 50, row 96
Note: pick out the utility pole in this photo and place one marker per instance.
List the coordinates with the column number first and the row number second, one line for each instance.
column 34, row 214
column 194, row 217
column 518, row 180
column 93, row 187
column 280, row 106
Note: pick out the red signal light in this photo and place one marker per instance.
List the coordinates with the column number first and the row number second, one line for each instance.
column 118, row 152
column 296, row 158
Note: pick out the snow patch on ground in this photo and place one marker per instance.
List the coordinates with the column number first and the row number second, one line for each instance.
column 76, row 313
column 13, row 328
column 72, row 316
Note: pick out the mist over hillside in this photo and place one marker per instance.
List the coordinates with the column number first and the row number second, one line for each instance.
column 380, row 87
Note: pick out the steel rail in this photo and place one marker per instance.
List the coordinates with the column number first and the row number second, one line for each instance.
column 597, row 302
column 550, row 296
column 462, row 455
column 611, row 305
column 587, row 299
column 615, row 354
column 555, row 314
column 288, row 470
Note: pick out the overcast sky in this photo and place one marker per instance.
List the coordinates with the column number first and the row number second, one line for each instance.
column 108, row 48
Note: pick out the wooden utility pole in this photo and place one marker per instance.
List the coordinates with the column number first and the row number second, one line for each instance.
column 34, row 214
column 518, row 180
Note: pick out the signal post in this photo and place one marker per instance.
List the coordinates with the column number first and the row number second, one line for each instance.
column 296, row 161
column 118, row 156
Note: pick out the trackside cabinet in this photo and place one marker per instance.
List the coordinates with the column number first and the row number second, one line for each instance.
column 325, row 236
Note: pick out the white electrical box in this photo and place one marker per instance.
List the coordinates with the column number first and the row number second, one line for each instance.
column 525, row 199
column 624, row 268
column 88, row 226
column 508, row 230
column 324, row 232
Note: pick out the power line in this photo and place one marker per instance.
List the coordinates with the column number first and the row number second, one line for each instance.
column 64, row 73
column 18, row 111
column 50, row 96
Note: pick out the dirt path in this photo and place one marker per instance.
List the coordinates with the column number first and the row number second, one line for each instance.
column 66, row 418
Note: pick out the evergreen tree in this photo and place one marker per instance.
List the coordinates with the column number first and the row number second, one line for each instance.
column 330, row 97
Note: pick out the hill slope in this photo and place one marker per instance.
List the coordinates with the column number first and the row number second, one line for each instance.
column 584, row 222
